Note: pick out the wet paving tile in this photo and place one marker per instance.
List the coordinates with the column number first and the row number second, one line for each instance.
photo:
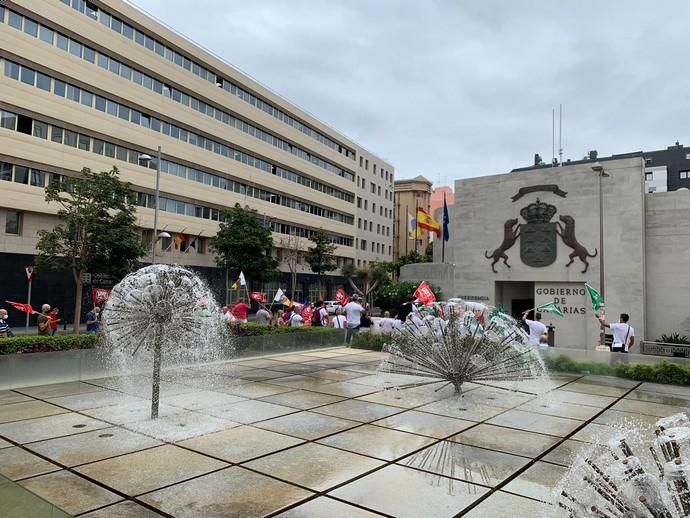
column 422, row 423
column 28, row 410
column 629, row 419
column 537, row 482
column 265, row 374
column 409, row 493
column 598, row 390
column 608, row 381
column 358, row 410
column 126, row 509
column 292, row 358
column 240, row 444
column 382, row 443
column 580, row 398
column 247, row 412
column 496, row 397
column 255, row 390
column 324, row 506
column 18, row 502
column 302, row 399
column 656, row 397
column 144, row 471
column 344, row 389
column 138, row 411
column 43, row 428
column 336, row 375
column 91, row 446
column 17, row 463
column 476, row 465
column 178, row 427
column 307, row 425
column 565, row 453
column 277, row 371
column 260, row 363
column 652, row 409
column 528, row 421
column 9, row 396
column 5, row 444
column 456, row 407
column 593, row 432
column 229, row 493
column 506, row 440
column 70, row 492
column 560, row 409
column 201, row 399
column 95, row 400
column 60, row 389
column 314, row 466
column 301, row 381
column 505, row 505
column 671, row 390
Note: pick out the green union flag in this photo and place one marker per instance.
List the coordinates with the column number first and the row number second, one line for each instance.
column 551, row 307
column 597, row 300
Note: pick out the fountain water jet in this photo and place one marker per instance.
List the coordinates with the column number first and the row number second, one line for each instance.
column 164, row 310
column 462, row 342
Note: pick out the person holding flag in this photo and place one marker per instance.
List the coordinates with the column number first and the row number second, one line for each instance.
column 536, row 328
column 4, row 326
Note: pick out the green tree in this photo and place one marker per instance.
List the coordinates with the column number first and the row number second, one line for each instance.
column 366, row 279
column 321, row 256
column 390, row 296
column 428, row 256
column 244, row 243
column 97, row 231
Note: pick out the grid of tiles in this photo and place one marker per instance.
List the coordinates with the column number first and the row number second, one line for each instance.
column 307, row 434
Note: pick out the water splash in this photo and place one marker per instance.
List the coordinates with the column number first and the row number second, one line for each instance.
column 456, row 343
column 161, row 314
column 634, row 470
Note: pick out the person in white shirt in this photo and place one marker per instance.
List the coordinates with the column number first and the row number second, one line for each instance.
column 536, row 327
column 296, row 319
column 323, row 314
column 386, row 323
column 623, row 333
column 353, row 312
column 338, row 321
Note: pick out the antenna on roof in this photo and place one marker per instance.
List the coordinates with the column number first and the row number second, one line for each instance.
column 553, row 136
column 560, row 135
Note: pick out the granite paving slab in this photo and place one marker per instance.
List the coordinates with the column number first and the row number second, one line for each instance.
column 358, row 410
column 314, row 466
column 240, row 444
column 560, row 409
column 126, row 509
column 505, row 505
column 307, row 425
column 409, row 493
column 302, row 399
column 17, row 463
column 324, row 506
column 10, row 396
column 537, row 482
column 71, row 493
column 60, row 389
column 178, row 427
column 144, row 471
column 247, row 412
column 382, row 443
column 422, row 423
column 531, row 422
column 28, row 410
column 42, row 428
column 230, row 493
column 507, row 440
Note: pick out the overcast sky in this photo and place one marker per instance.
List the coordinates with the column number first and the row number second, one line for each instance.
column 452, row 89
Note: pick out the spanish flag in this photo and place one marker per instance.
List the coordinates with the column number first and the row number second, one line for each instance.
column 179, row 239
column 426, row 222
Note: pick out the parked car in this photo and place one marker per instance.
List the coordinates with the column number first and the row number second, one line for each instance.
column 331, row 306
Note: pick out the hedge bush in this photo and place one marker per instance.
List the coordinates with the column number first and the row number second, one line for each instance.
column 371, row 341
column 37, row 344
column 663, row 372
column 250, row 329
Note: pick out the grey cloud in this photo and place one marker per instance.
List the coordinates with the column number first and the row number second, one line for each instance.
column 462, row 88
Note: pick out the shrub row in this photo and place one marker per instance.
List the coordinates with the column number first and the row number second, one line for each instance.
column 37, row 344
column 663, row 372
column 371, row 341
column 250, row 329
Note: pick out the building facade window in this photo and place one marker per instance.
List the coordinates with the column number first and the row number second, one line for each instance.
column 13, row 222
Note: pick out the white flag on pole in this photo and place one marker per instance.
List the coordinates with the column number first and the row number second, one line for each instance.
column 243, row 282
column 279, row 295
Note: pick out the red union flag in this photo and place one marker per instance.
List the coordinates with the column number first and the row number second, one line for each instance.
column 100, row 295
column 26, row 308
column 424, row 294
column 342, row 297
column 258, row 296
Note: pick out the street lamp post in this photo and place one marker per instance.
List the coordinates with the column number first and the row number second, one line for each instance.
column 156, row 237
column 601, row 172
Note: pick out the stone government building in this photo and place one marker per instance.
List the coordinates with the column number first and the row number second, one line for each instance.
column 539, row 216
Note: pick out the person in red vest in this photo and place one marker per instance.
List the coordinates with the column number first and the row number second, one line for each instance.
column 240, row 310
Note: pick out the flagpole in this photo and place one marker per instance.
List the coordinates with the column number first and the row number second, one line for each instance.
column 443, row 239
column 28, row 301
column 407, row 232
column 416, row 224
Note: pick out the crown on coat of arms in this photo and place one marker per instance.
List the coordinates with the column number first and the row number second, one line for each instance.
column 538, row 212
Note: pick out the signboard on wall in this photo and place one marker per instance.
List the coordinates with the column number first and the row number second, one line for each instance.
column 571, row 297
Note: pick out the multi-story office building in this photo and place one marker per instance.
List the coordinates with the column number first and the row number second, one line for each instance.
column 99, row 84
column 408, row 196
